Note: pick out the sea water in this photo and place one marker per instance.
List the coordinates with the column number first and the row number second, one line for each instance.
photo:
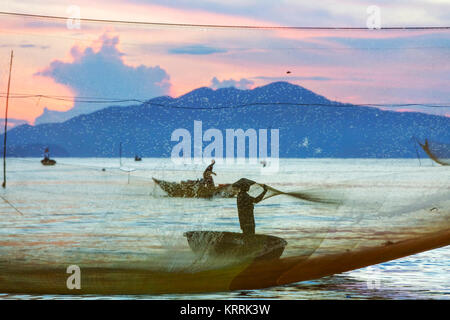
column 90, row 210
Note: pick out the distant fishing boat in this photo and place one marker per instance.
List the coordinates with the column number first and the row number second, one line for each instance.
column 47, row 161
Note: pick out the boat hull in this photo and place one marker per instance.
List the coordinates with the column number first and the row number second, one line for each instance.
column 48, row 162
column 195, row 189
column 237, row 245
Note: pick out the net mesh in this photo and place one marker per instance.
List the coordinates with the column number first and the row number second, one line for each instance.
column 121, row 228
column 437, row 151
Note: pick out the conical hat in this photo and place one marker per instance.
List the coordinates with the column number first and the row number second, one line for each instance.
column 243, row 182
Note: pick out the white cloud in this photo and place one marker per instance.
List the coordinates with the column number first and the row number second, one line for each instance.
column 241, row 84
column 103, row 74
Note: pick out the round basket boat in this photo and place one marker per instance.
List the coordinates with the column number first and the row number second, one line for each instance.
column 233, row 244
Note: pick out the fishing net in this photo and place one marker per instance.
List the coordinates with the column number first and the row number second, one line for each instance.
column 437, row 151
column 121, row 228
column 347, row 195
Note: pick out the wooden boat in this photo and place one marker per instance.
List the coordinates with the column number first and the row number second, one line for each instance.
column 233, row 244
column 196, row 189
column 48, row 162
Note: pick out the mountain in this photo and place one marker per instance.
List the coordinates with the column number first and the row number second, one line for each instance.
column 315, row 127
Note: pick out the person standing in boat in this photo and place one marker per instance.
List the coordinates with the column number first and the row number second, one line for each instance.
column 46, row 154
column 207, row 175
column 245, row 205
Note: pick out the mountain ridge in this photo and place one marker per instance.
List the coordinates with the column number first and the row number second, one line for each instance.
column 332, row 129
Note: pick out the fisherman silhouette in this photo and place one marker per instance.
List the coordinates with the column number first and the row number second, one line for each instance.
column 47, row 161
column 207, row 175
column 245, row 205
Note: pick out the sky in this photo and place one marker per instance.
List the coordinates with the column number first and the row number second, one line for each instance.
column 118, row 61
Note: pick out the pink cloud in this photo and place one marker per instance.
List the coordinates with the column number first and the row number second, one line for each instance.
column 405, row 110
column 356, row 77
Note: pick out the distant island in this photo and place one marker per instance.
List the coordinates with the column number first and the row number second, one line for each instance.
column 309, row 125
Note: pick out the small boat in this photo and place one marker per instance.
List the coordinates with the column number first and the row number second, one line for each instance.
column 137, row 158
column 233, row 244
column 48, row 162
column 196, row 189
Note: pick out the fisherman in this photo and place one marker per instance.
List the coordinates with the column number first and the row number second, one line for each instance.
column 245, row 204
column 46, row 154
column 207, row 176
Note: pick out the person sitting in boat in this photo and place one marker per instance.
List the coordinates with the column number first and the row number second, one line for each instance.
column 245, row 205
column 207, row 175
